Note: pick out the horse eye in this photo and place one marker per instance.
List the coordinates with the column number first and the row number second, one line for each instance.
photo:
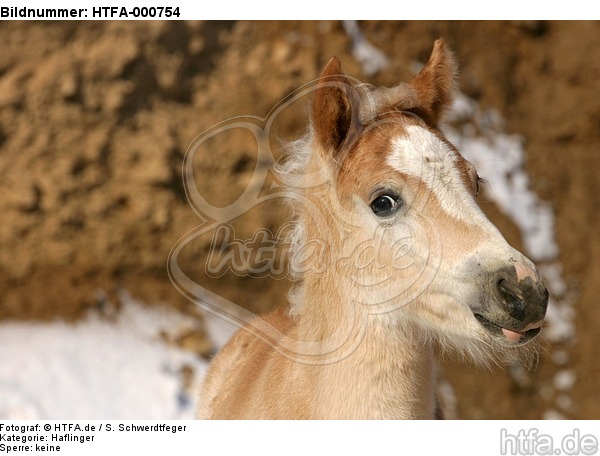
column 478, row 182
column 385, row 205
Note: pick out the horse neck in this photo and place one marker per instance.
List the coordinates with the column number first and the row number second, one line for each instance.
column 387, row 366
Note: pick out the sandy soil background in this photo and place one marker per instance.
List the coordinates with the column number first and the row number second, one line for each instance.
column 95, row 119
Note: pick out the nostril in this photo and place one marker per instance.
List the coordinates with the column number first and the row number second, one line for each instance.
column 512, row 298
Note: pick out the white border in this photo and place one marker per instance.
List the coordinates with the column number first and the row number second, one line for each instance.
column 371, row 10
column 264, row 438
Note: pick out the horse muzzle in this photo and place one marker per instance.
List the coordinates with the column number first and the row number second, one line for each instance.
column 513, row 304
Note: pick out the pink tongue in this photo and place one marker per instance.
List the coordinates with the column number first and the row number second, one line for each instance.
column 511, row 335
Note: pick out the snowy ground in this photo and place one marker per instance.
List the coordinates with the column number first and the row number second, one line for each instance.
column 99, row 368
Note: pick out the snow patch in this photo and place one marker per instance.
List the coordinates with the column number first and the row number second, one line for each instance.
column 97, row 368
column 560, row 316
column 560, row 357
column 553, row 415
column 564, row 380
column 370, row 58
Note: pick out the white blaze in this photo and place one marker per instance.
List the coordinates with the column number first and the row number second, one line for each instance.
column 422, row 155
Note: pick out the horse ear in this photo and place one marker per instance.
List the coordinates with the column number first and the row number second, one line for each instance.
column 335, row 109
column 436, row 84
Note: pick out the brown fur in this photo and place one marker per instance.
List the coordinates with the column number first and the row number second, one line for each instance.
column 333, row 117
column 435, row 84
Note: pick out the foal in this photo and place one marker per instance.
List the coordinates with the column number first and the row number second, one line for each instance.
column 410, row 262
